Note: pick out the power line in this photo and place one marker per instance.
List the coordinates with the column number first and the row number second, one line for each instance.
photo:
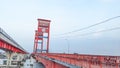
column 106, row 30
column 89, row 26
column 85, row 34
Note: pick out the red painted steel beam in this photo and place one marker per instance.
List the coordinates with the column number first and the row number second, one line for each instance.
column 47, row 63
column 85, row 61
column 8, row 47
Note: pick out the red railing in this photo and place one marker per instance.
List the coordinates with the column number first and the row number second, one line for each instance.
column 85, row 61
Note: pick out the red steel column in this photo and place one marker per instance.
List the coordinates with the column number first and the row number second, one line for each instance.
column 48, row 38
column 35, row 42
column 42, row 45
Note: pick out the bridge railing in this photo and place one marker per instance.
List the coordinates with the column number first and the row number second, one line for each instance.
column 87, row 61
column 6, row 35
column 10, row 38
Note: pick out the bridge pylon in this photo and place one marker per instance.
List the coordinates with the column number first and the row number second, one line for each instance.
column 42, row 35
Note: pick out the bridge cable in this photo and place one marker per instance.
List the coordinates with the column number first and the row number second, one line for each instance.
column 85, row 34
column 105, row 21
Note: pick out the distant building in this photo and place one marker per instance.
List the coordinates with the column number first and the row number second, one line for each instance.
column 3, row 59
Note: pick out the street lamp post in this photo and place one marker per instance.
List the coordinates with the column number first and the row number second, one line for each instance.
column 68, row 45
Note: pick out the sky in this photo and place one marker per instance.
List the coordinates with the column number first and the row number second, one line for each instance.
column 19, row 19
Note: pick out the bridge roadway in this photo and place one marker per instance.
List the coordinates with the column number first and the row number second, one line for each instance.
column 8, row 44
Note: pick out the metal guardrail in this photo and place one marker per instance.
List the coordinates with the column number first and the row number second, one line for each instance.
column 10, row 38
column 82, row 60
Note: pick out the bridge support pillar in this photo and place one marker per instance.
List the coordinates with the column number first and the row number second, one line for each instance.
column 8, row 54
column 14, row 58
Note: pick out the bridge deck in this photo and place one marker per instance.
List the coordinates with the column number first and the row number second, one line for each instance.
column 85, row 61
column 6, row 42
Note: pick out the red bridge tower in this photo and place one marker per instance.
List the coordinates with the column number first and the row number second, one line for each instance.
column 42, row 35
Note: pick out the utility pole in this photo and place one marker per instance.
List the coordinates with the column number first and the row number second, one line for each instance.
column 68, row 45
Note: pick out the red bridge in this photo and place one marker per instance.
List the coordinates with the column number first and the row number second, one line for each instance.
column 8, row 44
column 12, row 49
column 56, row 60
column 62, row 60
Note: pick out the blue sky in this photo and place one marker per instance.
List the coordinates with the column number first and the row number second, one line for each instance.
column 19, row 19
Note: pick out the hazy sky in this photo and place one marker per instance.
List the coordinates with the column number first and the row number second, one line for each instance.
column 19, row 19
